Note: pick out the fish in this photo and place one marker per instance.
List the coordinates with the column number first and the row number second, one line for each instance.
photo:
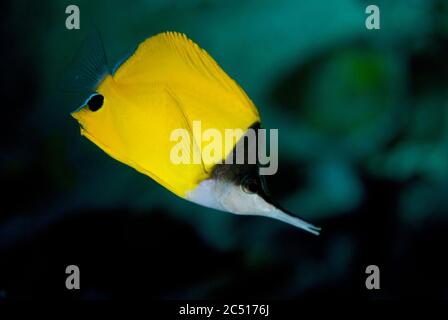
column 169, row 83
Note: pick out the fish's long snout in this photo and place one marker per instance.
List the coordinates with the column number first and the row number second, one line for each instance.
column 295, row 221
column 281, row 214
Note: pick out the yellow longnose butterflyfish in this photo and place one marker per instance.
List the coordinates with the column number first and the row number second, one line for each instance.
column 167, row 84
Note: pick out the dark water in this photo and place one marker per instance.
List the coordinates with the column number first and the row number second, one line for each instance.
column 363, row 135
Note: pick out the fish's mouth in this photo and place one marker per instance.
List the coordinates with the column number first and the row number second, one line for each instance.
column 282, row 214
column 297, row 221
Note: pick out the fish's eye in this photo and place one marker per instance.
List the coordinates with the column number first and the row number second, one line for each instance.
column 95, row 102
column 249, row 185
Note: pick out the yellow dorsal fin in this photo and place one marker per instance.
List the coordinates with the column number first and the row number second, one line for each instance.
column 171, row 57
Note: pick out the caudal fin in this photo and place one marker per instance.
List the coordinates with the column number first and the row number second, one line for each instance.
column 89, row 67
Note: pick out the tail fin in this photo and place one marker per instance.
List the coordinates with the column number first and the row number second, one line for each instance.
column 89, row 67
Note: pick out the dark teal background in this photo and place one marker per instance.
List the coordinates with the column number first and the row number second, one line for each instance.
column 363, row 152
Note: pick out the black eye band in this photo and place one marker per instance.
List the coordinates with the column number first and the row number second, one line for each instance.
column 95, row 102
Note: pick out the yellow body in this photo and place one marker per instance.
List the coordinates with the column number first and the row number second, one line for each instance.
column 168, row 83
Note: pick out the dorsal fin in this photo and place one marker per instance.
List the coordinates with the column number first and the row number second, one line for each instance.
column 171, row 57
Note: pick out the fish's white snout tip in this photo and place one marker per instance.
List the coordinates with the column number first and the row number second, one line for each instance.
column 296, row 221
